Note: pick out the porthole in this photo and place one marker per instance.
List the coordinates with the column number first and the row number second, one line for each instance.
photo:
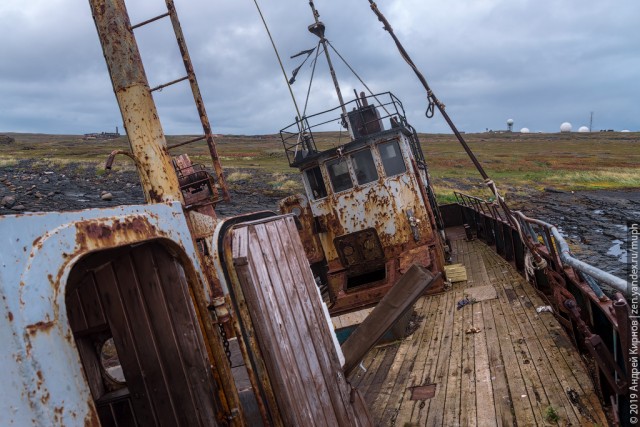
column 110, row 362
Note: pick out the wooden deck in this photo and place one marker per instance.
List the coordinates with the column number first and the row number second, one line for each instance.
column 518, row 369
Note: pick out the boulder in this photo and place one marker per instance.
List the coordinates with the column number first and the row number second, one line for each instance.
column 8, row 201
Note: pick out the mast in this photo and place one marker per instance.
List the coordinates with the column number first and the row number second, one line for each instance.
column 317, row 29
column 139, row 114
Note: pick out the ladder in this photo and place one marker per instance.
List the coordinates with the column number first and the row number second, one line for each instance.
column 221, row 185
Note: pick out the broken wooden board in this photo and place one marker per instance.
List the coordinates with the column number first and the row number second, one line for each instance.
column 345, row 324
column 395, row 303
column 481, row 293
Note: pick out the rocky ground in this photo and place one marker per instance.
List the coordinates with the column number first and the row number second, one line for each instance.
column 594, row 222
column 32, row 187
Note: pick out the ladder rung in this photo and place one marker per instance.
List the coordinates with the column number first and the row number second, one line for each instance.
column 180, row 144
column 148, row 21
column 170, row 83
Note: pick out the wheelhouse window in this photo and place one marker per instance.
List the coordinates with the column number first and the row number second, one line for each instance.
column 364, row 167
column 339, row 174
column 391, row 158
column 316, row 184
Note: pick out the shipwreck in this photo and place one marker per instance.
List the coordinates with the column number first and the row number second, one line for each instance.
column 166, row 314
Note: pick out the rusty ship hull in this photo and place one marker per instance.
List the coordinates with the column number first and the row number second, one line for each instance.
column 165, row 314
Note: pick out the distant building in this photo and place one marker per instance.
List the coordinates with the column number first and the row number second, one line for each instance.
column 102, row 135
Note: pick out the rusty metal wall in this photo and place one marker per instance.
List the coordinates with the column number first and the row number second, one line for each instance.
column 382, row 205
column 42, row 373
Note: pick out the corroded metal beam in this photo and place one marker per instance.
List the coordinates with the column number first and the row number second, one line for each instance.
column 139, row 114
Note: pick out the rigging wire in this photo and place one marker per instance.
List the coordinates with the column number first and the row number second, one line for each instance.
column 275, row 49
column 313, row 71
column 358, row 77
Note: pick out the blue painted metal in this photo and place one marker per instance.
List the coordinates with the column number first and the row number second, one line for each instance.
column 616, row 283
column 593, row 285
column 42, row 378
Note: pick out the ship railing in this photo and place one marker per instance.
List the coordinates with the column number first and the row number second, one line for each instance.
column 561, row 248
column 368, row 115
column 600, row 324
column 547, row 235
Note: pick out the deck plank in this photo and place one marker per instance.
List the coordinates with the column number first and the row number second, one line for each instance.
column 504, row 414
column 508, row 373
column 509, row 297
column 562, row 359
column 446, row 403
column 547, row 393
column 427, row 358
column 400, row 373
column 423, row 337
column 485, row 405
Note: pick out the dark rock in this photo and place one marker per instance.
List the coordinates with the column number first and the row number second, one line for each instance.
column 553, row 190
column 8, row 201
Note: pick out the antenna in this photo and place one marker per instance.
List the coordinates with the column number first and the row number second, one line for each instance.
column 591, row 122
column 317, row 29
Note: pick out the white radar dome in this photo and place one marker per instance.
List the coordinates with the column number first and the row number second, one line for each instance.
column 524, row 130
column 565, row 127
column 625, row 130
column 583, row 129
column 510, row 121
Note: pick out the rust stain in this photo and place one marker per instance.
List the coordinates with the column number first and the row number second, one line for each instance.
column 97, row 231
column 308, row 231
column 45, row 398
column 101, row 233
column 10, row 316
column 91, row 420
column 57, row 413
column 40, row 327
column 28, row 348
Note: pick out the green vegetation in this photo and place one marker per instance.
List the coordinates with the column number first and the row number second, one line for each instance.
column 550, row 415
column 516, row 162
column 524, row 162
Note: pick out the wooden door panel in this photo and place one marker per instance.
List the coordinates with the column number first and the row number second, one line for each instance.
column 125, row 342
column 141, row 295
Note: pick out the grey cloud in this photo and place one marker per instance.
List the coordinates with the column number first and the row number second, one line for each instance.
column 540, row 62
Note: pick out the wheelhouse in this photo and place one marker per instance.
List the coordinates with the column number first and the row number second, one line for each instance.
column 369, row 201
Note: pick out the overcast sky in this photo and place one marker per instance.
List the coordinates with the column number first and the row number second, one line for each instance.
column 539, row 62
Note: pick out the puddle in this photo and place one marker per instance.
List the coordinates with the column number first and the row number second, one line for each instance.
column 618, row 251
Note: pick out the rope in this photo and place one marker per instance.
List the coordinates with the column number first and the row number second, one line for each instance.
column 434, row 102
column 275, row 49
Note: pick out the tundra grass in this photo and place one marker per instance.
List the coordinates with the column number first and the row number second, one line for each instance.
column 575, row 161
